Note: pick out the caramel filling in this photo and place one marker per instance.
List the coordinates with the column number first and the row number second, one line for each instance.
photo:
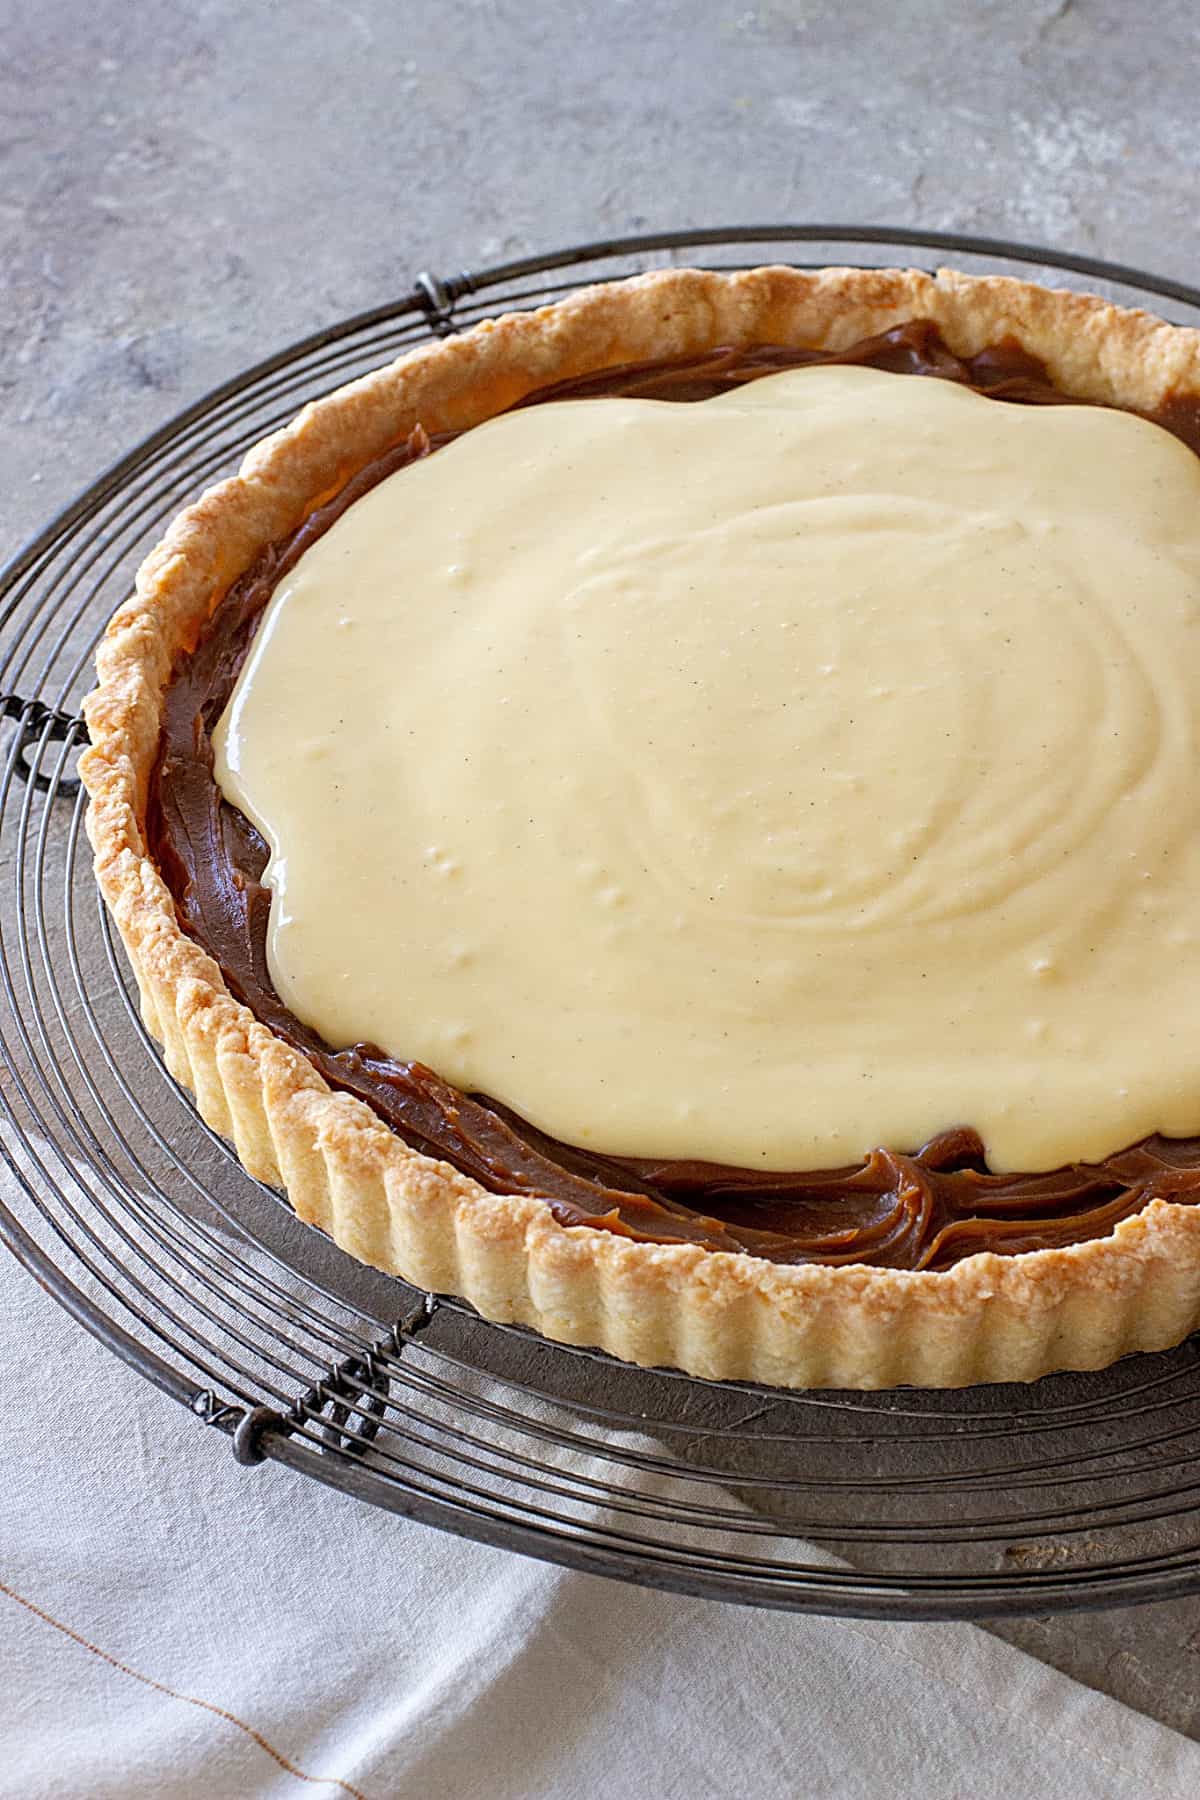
column 671, row 700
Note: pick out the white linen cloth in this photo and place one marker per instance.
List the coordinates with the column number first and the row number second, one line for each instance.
column 174, row 1627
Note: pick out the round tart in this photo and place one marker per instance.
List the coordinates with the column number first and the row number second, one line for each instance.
column 828, row 1025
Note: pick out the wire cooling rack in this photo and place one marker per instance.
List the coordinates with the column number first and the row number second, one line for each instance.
column 1078, row 1491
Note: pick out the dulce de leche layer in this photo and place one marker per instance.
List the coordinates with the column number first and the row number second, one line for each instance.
column 921, row 1210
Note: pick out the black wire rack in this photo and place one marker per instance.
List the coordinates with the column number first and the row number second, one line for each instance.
column 1078, row 1491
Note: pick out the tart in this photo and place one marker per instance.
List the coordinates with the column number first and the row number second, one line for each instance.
column 688, row 1079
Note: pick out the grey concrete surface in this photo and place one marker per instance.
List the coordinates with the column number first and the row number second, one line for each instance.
column 184, row 188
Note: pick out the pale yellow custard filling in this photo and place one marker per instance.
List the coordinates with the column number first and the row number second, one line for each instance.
column 758, row 780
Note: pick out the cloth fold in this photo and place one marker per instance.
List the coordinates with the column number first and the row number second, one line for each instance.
column 173, row 1625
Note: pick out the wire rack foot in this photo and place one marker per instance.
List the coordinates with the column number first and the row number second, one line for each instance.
column 347, row 1405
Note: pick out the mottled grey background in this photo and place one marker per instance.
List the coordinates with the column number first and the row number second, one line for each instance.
column 186, row 187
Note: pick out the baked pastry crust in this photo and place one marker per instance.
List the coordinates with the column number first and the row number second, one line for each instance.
column 712, row 1313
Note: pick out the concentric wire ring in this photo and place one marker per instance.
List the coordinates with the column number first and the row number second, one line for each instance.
column 1080, row 1491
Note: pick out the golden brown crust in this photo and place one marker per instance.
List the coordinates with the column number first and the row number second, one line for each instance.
column 989, row 1318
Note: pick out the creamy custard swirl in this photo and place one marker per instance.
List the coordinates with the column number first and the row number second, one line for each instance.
column 922, row 1209
column 756, row 781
